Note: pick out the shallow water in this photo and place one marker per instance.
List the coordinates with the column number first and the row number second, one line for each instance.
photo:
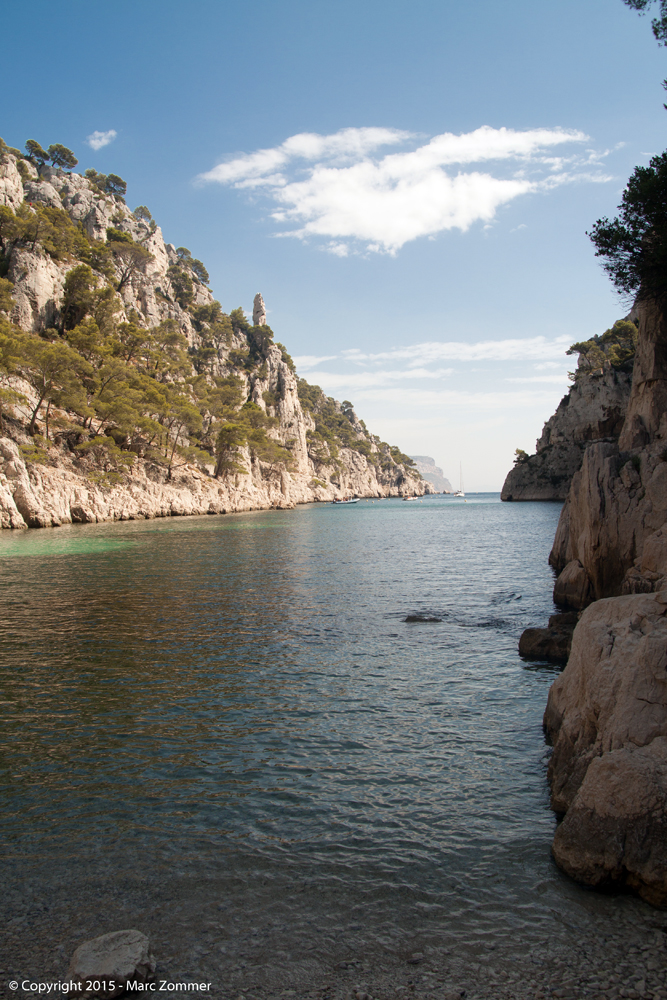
column 232, row 712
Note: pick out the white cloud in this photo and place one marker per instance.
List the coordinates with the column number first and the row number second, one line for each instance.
column 552, row 379
column 453, row 399
column 526, row 349
column 332, row 187
column 96, row 140
column 306, row 361
column 367, row 379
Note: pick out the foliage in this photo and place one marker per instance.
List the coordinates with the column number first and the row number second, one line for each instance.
column 615, row 348
column 78, row 296
column 286, row 357
column 521, row 456
column 61, row 156
column 186, row 260
column 6, row 300
column 142, row 214
column 117, row 389
column 110, row 184
column 130, row 258
column 659, row 24
column 634, row 244
column 239, row 320
column 35, row 152
column 249, row 429
column 115, row 185
column 41, row 227
column 181, row 282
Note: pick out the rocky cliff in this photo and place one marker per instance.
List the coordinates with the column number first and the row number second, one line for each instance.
column 592, row 411
column 607, row 712
column 126, row 391
column 432, row 473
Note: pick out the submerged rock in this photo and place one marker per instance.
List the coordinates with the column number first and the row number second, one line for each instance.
column 421, row 618
column 112, row 960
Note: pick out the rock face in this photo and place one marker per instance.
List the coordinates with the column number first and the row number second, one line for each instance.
column 593, row 410
column 112, row 960
column 258, row 311
column 328, row 453
column 607, row 718
column 607, row 712
column 430, row 471
column 64, row 488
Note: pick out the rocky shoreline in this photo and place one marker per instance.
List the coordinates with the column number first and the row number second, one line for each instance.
column 327, row 957
column 607, row 712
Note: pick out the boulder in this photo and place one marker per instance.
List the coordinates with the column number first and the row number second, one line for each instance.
column 552, row 643
column 118, row 958
column 572, row 588
column 615, row 831
column 606, row 716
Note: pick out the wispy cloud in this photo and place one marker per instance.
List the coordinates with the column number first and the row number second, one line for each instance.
column 333, row 189
column 305, row 362
column 453, row 399
column 96, row 140
column 367, row 379
column 525, row 349
column 551, row 379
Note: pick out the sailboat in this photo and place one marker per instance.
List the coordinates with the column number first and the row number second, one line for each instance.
column 459, row 492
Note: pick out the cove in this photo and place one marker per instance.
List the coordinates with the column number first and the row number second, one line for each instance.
column 224, row 732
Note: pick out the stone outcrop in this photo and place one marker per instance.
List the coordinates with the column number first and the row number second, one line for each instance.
column 593, row 410
column 432, row 473
column 258, row 311
column 607, row 718
column 58, row 484
column 114, row 961
column 39, row 281
column 66, row 487
column 607, row 712
column 552, row 643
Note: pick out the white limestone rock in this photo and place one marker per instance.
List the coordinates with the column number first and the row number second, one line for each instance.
column 11, row 184
column 258, row 311
column 38, row 289
column 112, row 960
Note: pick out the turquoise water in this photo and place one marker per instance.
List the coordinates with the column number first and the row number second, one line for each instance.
column 236, row 707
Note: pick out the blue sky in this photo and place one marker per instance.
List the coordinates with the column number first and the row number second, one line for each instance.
column 434, row 282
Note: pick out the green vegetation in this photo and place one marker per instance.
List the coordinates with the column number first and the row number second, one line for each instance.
column 335, row 429
column 521, row 456
column 35, row 152
column 659, row 24
column 615, row 348
column 61, row 156
column 634, row 244
column 114, row 390
column 110, row 184
column 110, row 388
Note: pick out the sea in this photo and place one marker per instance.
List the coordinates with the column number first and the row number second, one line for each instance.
column 284, row 743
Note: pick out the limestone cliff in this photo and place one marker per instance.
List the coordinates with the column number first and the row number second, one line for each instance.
column 592, row 411
column 432, row 473
column 610, row 535
column 607, row 712
column 165, row 405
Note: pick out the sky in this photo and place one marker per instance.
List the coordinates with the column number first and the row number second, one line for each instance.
column 407, row 182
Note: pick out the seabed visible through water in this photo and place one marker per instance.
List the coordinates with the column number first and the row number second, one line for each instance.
column 222, row 731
